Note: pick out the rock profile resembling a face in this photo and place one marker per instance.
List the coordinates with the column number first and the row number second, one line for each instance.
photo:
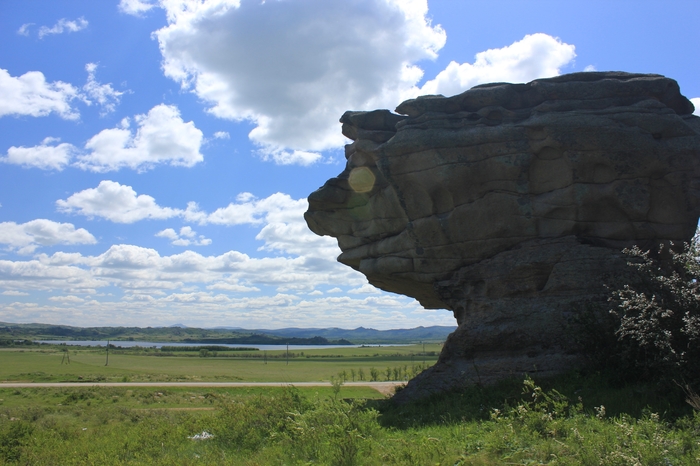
column 509, row 204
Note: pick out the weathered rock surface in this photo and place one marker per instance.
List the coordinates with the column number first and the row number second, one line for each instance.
column 510, row 202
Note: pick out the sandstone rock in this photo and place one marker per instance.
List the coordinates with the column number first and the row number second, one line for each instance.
column 510, row 202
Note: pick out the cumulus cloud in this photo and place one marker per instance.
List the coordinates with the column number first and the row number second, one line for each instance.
column 696, row 102
column 121, row 204
column 115, row 202
column 104, row 94
column 290, row 157
column 67, row 299
column 222, row 135
column 25, row 238
column 208, row 309
column 135, row 7
column 49, row 155
column 185, row 237
column 364, row 289
column 230, row 287
column 283, row 231
column 535, row 56
column 31, row 95
column 161, row 136
column 142, row 270
column 63, row 25
column 293, row 68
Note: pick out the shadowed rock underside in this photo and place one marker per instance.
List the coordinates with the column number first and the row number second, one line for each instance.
column 508, row 204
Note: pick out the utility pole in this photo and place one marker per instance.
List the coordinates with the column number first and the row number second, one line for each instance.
column 107, row 362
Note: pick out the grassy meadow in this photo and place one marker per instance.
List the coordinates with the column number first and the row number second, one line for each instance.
column 574, row 419
column 514, row 423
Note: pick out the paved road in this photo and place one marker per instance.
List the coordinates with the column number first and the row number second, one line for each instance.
column 385, row 388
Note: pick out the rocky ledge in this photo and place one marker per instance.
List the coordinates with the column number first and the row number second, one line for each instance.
column 508, row 204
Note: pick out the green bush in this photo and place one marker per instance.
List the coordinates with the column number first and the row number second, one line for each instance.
column 14, row 435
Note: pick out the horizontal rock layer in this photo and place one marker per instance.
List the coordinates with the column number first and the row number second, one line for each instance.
column 509, row 202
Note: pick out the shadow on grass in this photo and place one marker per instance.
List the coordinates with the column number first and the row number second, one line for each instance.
column 476, row 403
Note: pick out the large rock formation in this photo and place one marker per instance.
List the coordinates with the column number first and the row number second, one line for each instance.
column 508, row 204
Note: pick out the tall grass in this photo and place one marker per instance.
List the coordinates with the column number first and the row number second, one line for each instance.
column 517, row 422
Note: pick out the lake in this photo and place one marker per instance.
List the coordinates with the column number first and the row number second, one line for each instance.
column 151, row 344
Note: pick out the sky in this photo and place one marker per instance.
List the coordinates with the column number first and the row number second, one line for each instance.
column 156, row 156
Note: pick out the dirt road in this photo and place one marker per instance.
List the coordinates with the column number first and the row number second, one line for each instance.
column 385, row 388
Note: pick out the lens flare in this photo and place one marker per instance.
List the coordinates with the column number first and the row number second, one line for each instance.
column 361, row 179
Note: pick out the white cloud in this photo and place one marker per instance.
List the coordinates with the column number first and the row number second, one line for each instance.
column 24, row 29
column 31, row 95
column 67, row 299
column 696, row 102
column 364, row 289
column 26, row 237
column 141, row 270
column 535, row 56
column 106, row 96
column 186, row 237
column 121, row 204
column 14, row 293
column 161, row 137
column 115, row 202
column 283, row 231
column 293, row 68
column 237, row 287
column 63, row 25
column 590, row 68
column 249, row 210
column 232, row 285
column 47, row 156
column 286, row 157
column 135, row 7
column 222, row 135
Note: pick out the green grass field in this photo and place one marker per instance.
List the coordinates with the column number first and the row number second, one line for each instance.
column 573, row 419
column 37, row 364
column 291, row 426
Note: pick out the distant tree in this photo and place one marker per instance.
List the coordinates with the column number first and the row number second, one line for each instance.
column 361, row 374
column 335, row 385
column 374, row 374
column 387, row 371
column 352, row 374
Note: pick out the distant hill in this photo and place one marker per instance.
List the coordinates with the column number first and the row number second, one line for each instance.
column 363, row 335
column 182, row 333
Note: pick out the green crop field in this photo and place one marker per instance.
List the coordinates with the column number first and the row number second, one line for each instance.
column 50, row 364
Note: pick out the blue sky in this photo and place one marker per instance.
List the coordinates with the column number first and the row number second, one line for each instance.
column 155, row 156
